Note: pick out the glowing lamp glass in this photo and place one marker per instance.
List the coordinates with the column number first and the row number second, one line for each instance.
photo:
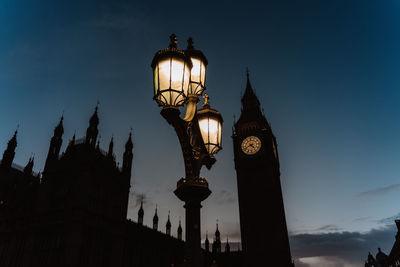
column 171, row 72
column 198, row 76
column 210, row 124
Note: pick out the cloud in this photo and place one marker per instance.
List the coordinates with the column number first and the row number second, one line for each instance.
column 224, row 197
column 323, row 261
column 328, row 227
column 324, row 229
column 380, row 191
column 343, row 248
column 136, row 198
column 124, row 18
column 362, row 219
column 389, row 220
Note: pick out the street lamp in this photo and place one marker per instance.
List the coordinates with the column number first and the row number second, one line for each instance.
column 179, row 79
column 210, row 122
column 171, row 69
column 198, row 72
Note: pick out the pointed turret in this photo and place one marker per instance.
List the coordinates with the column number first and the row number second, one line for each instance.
column 140, row 214
column 207, row 243
column 250, row 106
column 59, row 130
column 179, row 230
column 128, row 156
column 110, row 152
column 168, row 226
column 217, row 234
column 55, row 146
column 92, row 131
column 249, row 99
column 9, row 153
column 70, row 144
column 29, row 167
column 227, row 246
column 155, row 220
column 217, row 242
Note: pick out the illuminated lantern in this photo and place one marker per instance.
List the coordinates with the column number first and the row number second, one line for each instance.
column 171, row 73
column 210, row 124
column 198, row 72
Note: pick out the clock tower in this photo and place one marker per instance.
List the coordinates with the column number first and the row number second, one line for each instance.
column 262, row 214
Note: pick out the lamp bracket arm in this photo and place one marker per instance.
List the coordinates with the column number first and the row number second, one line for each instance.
column 191, row 107
column 201, row 155
column 194, row 152
column 171, row 115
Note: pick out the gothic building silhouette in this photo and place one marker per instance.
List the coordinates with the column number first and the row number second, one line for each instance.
column 74, row 213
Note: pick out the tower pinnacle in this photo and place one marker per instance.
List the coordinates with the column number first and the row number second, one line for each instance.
column 9, row 153
column 155, row 220
column 92, row 131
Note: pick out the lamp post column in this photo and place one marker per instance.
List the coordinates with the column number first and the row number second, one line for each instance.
column 192, row 191
column 193, row 239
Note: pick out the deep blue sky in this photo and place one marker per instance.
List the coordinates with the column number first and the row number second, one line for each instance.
column 326, row 73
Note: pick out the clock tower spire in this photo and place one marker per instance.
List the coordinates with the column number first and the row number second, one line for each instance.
column 258, row 180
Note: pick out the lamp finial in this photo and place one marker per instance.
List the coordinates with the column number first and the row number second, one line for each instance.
column 206, row 103
column 190, row 43
column 173, row 41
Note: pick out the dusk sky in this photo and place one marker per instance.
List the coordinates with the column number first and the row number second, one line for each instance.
column 326, row 74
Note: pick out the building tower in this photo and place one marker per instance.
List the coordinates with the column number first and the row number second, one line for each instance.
column 155, row 220
column 258, row 180
column 110, row 153
column 55, row 146
column 207, row 243
column 127, row 157
column 227, row 246
column 92, row 131
column 29, row 166
column 140, row 214
column 216, row 246
column 168, row 226
column 179, row 230
column 9, row 153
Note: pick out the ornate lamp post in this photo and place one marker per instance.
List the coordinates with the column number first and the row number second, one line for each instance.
column 179, row 79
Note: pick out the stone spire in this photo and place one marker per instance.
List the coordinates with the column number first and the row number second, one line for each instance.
column 55, row 146
column 111, row 148
column 92, row 131
column 155, row 220
column 9, row 153
column 250, row 101
column 29, row 167
column 227, row 246
column 180, row 230
column 140, row 214
column 168, row 226
column 207, row 243
column 128, row 156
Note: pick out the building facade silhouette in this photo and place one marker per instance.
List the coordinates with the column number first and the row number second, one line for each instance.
column 75, row 212
column 262, row 216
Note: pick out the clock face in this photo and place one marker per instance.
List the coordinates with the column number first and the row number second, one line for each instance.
column 251, row 145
